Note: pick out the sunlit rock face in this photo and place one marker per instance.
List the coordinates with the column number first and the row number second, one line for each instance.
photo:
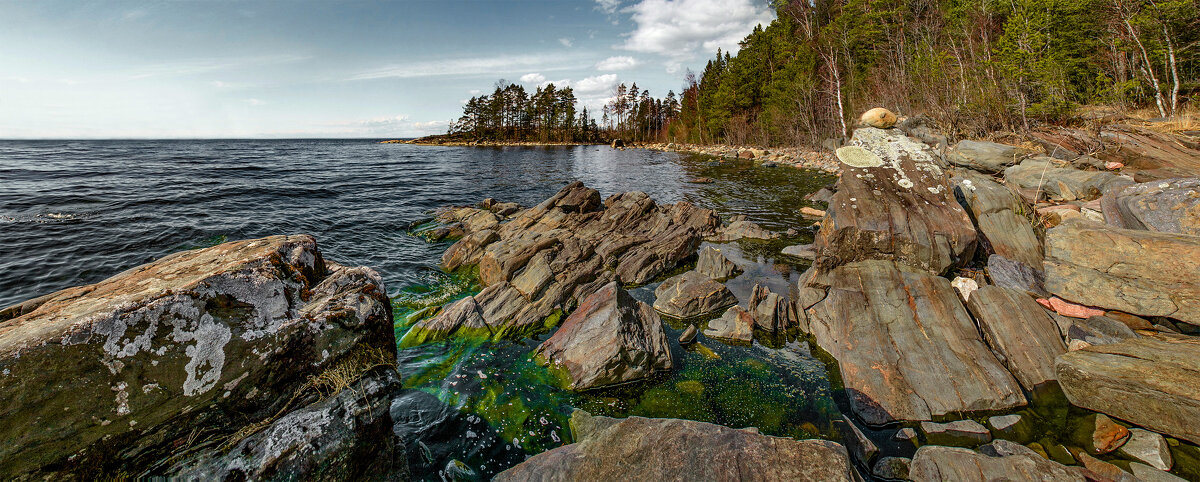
column 128, row 371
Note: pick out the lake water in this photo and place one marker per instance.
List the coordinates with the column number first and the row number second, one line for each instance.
column 77, row 212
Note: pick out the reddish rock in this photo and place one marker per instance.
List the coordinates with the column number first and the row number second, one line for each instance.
column 1067, row 308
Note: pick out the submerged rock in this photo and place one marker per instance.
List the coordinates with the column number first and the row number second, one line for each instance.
column 610, row 339
column 122, row 374
column 1149, row 381
column 637, row 448
column 1149, row 447
column 1140, row 272
column 894, row 202
column 691, row 294
column 550, row 256
column 906, row 347
column 742, row 228
column 962, row 433
column 1099, row 434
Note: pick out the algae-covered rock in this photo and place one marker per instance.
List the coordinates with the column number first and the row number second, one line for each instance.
column 124, row 373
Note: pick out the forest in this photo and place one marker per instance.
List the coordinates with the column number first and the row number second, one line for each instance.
column 973, row 66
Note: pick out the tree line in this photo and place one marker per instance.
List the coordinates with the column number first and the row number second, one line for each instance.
column 974, row 66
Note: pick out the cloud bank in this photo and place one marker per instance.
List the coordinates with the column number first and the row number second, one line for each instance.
column 683, row 29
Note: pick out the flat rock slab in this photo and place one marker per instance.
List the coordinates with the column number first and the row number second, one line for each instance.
column 984, row 156
column 998, row 213
column 960, row 433
column 637, row 448
column 936, row 463
column 1020, row 332
column 1169, row 206
column 691, row 294
column 894, row 202
column 610, row 339
column 1149, row 381
column 906, row 347
column 1060, row 182
column 1140, row 272
column 119, row 374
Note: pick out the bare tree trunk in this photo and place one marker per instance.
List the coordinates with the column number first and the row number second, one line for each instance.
column 1174, row 71
column 1147, row 68
column 837, row 82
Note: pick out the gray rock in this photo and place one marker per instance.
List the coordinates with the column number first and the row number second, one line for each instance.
column 691, row 294
column 609, row 339
column 1019, row 332
column 1149, row 447
column 984, row 156
column 115, row 375
column 998, row 213
column 823, row 195
column 1099, row 330
column 935, row 463
column 1057, row 181
column 892, row 468
column 905, row 346
column 688, row 335
column 1005, row 448
column 670, row 449
column 1147, row 473
column 1016, row 275
column 1169, row 206
column 736, row 324
column 861, row 448
column 772, row 313
column 715, row 265
column 894, row 202
column 961, row 433
column 463, row 314
column 1149, row 381
column 906, row 434
column 742, row 229
column 802, row 251
column 1139, row 272
column 347, row 435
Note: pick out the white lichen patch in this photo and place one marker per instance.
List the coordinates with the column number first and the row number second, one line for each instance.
column 122, row 398
column 206, row 357
column 855, row 156
column 905, row 183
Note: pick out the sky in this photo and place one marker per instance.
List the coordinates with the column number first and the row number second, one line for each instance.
column 250, row 69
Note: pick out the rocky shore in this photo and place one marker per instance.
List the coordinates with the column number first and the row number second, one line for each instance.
column 988, row 311
column 799, row 158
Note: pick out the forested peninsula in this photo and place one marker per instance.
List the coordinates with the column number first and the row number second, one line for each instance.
column 973, row 67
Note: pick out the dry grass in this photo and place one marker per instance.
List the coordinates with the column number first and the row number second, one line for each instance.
column 1188, row 119
column 340, row 376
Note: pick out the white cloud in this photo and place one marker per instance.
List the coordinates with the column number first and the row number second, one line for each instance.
column 474, row 92
column 200, row 66
column 608, row 6
column 566, row 42
column 681, row 29
column 533, row 78
column 596, row 84
column 482, row 66
column 623, row 62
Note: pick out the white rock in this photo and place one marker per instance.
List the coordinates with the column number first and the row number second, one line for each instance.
column 965, row 287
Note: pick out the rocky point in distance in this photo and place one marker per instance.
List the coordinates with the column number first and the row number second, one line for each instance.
column 949, row 288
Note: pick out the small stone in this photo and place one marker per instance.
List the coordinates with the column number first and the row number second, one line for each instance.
column 965, row 287
column 1134, row 322
column 960, row 433
column 879, row 118
column 1099, row 434
column 1149, row 447
column 1075, row 345
column 906, row 434
column 1010, row 427
column 1113, row 165
column 811, row 212
column 1067, row 308
column 688, row 335
column 893, row 468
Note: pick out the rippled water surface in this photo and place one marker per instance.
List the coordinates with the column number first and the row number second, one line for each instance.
column 78, row 212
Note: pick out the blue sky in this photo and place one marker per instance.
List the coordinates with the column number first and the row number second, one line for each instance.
column 176, row 69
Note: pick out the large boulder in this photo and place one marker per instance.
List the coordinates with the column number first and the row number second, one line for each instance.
column 691, row 294
column 998, row 212
column 984, row 156
column 906, row 347
column 894, row 202
column 935, row 463
column 1020, row 332
column 736, row 324
column 715, row 265
column 610, row 339
column 1149, row 381
column 127, row 372
column 772, row 312
column 1169, row 206
column 1140, row 272
column 637, row 448
column 551, row 256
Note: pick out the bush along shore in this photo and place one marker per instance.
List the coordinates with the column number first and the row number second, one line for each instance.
column 989, row 311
